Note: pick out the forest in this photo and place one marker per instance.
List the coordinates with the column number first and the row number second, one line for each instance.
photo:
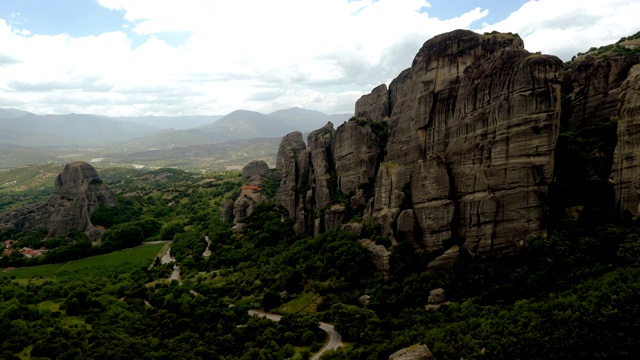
column 573, row 294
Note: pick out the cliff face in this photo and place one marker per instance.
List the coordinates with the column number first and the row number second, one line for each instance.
column 592, row 88
column 78, row 193
column 625, row 174
column 251, row 194
column 472, row 129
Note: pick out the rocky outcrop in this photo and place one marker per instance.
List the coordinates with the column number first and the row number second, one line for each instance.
column 293, row 165
column 306, row 185
column 251, row 194
column 226, row 210
column 446, row 259
column 473, row 126
column 374, row 105
column 379, row 255
column 353, row 228
column 333, row 218
column 256, row 168
column 625, row 174
column 436, row 296
column 415, row 352
column 320, row 146
column 355, row 150
column 472, row 129
column 78, row 193
column 389, row 197
column 593, row 87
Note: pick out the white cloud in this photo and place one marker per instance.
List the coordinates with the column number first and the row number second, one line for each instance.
column 566, row 27
column 260, row 55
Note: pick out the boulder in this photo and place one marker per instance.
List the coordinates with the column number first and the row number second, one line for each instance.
column 415, row 352
column 379, row 256
column 436, row 296
column 446, row 259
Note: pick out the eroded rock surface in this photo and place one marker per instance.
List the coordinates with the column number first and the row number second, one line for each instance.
column 593, row 88
column 625, row 174
column 374, row 105
column 256, row 168
column 473, row 126
column 415, row 352
column 355, row 150
column 379, row 255
column 78, row 193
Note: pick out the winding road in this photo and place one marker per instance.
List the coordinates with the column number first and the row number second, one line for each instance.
column 335, row 340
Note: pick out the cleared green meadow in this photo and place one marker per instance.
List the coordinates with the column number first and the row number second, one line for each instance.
column 95, row 266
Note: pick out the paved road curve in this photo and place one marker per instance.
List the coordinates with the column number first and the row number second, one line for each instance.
column 335, row 340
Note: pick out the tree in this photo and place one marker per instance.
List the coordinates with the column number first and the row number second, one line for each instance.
column 122, row 236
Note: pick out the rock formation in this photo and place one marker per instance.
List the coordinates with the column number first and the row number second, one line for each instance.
column 78, row 193
column 356, row 161
column 379, row 255
column 293, row 164
column 374, row 105
column 256, row 168
column 415, row 352
column 593, row 87
column 251, row 193
column 625, row 174
column 472, row 129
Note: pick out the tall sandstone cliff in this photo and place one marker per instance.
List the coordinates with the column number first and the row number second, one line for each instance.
column 78, row 193
column 472, row 129
column 473, row 125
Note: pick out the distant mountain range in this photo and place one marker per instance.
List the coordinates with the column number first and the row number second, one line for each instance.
column 27, row 129
column 27, row 138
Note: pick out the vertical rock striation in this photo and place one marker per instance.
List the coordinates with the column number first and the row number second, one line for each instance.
column 625, row 174
column 472, row 129
column 355, row 150
column 593, row 87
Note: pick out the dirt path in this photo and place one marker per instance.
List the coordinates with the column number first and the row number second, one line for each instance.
column 207, row 251
column 175, row 275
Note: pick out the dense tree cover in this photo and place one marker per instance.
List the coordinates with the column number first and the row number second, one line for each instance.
column 154, row 213
column 120, row 317
column 571, row 294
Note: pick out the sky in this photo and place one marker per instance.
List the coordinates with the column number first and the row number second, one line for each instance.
column 211, row 57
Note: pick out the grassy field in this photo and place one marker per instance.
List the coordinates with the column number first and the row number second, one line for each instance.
column 302, row 304
column 102, row 265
